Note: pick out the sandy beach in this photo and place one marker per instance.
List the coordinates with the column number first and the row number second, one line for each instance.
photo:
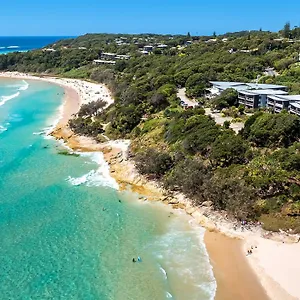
column 234, row 279
column 272, row 271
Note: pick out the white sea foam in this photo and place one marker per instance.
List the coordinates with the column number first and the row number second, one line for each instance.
column 164, row 272
column 2, row 129
column 53, row 121
column 181, row 250
column 13, row 47
column 39, row 133
column 4, row 99
column 98, row 177
column 24, row 87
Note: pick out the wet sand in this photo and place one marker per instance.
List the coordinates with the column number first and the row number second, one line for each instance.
column 235, row 277
column 71, row 105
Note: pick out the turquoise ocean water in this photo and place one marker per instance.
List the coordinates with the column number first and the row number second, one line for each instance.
column 63, row 232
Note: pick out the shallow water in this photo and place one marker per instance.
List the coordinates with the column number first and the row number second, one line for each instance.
column 66, row 231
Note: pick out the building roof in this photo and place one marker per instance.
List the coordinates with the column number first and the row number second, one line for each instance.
column 108, row 54
column 278, row 98
column 100, row 61
column 265, row 92
column 162, row 46
column 286, row 98
column 245, row 86
column 295, row 104
column 121, row 56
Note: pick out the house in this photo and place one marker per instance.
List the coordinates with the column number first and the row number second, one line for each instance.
column 107, row 55
column 294, row 108
column 113, row 56
column 211, row 41
column 101, row 62
column 257, row 98
column 252, row 95
column 162, row 46
column 148, row 48
column 49, row 50
column 221, row 86
column 284, row 102
column 119, row 56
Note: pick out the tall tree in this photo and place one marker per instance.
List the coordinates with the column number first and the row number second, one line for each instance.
column 287, row 30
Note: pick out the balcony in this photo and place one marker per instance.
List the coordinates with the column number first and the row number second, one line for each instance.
column 294, row 111
column 278, row 105
column 277, row 110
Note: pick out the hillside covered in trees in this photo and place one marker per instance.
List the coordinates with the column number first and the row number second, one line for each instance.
column 253, row 174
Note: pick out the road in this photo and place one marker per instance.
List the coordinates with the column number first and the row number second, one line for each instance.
column 217, row 116
column 220, row 120
column 189, row 102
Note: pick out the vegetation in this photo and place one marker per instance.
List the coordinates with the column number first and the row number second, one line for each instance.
column 67, row 153
column 252, row 175
column 228, row 98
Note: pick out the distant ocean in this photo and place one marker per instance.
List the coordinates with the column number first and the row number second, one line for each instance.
column 66, row 231
column 26, row 43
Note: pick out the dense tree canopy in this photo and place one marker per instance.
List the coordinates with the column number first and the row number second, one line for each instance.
column 253, row 174
column 267, row 130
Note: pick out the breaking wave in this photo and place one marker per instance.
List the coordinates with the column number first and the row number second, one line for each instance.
column 4, row 99
column 20, row 87
column 25, row 86
column 53, row 121
column 164, row 272
column 2, row 129
column 171, row 252
column 98, row 177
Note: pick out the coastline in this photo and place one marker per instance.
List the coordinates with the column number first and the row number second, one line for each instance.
column 245, row 276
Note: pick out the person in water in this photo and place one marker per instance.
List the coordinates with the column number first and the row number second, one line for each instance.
column 133, row 260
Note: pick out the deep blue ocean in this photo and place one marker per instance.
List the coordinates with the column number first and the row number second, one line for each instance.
column 26, row 43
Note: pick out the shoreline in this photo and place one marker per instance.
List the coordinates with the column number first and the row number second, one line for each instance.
column 226, row 245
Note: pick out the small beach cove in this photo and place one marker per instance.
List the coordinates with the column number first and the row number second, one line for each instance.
column 66, row 230
column 225, row 253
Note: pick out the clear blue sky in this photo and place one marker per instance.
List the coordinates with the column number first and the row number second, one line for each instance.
column 74, row 17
